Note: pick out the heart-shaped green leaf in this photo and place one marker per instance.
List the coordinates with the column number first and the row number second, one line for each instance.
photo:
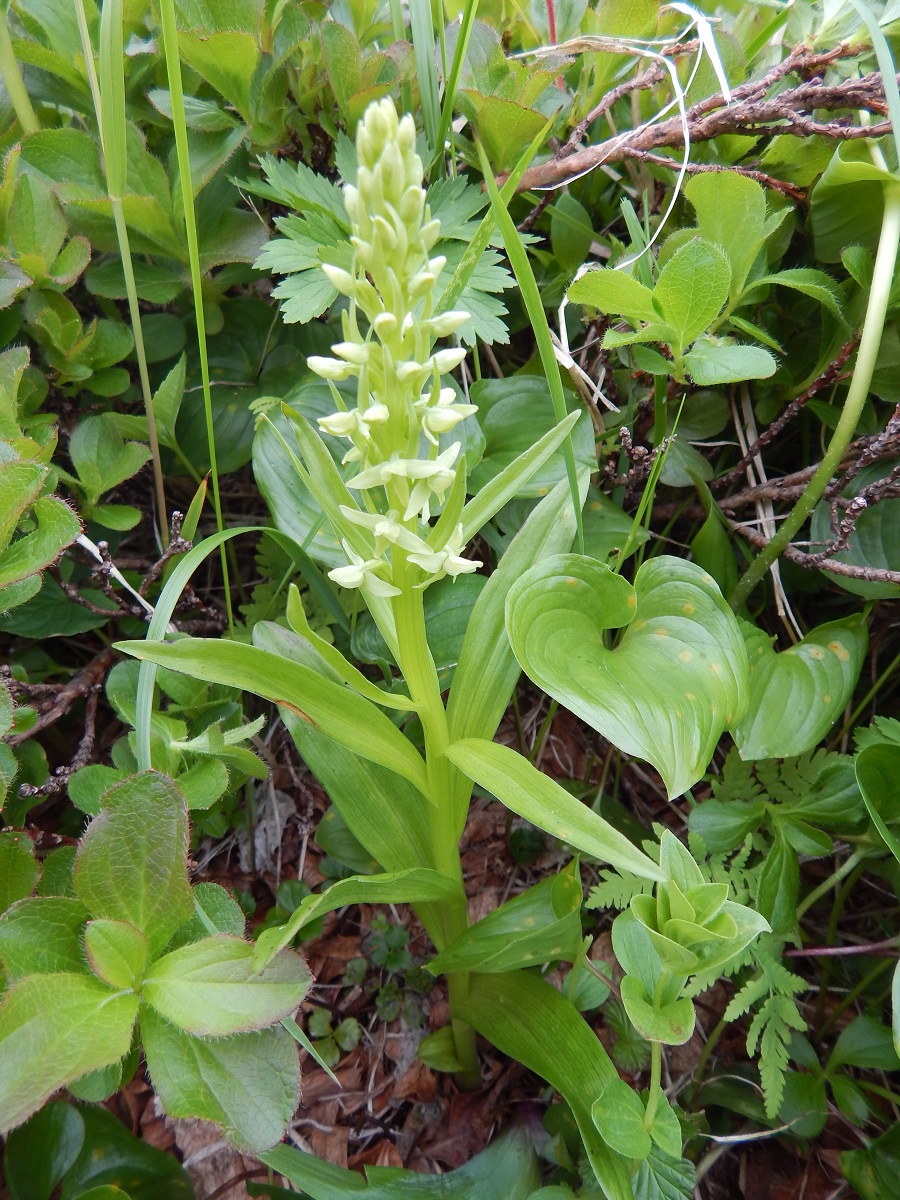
column 796, row 696
column 675, row 681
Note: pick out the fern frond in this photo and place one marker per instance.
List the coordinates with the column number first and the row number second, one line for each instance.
column 616, row 890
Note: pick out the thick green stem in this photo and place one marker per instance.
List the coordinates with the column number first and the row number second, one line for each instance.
column 15, row 85
column 424, row 689
column 655, row 1075
column 857, row 393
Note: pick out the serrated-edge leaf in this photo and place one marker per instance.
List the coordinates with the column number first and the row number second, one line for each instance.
column 211, row 988
column 54, row 1029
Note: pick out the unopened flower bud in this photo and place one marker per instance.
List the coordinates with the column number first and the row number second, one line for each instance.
column 412, row 205
column 329, row 368
column 352, row 352
column 385, row 324
column 339, row 424
column 377, row 414
column 339, row 278
column 446, row 360
column 429, row 234
column 446, row 323
column 421, row 283
column 409, row 370
column 386, row 232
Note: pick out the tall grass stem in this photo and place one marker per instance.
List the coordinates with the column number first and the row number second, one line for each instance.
column 13, row 81
column 173, row 70
column 109, row 108
column 531, row 296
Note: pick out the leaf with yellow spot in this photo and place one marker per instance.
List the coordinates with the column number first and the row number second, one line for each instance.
column 674, row 682
column 796, row 696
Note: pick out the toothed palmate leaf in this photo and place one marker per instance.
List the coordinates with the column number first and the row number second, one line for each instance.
column 677, row 678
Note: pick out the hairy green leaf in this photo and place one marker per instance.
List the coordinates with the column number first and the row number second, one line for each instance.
column 53, row 1029
column 116, row 951
column 212, row 988
column 133, row 869
column 249, row 1083
column 42, row 936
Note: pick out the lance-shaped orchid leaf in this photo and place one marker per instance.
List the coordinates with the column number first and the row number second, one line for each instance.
column 674, row 682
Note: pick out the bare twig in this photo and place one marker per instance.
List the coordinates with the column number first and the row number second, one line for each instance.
column 751, row 112
column 87, row 682
column 814, row 562
column 653, row 75
column 776, row 185
column 177, row 545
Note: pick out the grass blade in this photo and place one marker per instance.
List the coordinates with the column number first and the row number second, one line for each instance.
column 518, row 258
column 483, row 233
column 422, row 28
column 12, row 78
column 466, row 21
column 173, row 70
column 109, row 107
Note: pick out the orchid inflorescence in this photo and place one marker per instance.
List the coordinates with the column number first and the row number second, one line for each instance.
column 400, row 400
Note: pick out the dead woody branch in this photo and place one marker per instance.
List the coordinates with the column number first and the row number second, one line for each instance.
column 751, row 111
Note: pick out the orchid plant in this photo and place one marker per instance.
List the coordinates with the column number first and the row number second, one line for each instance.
column 401, row 514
